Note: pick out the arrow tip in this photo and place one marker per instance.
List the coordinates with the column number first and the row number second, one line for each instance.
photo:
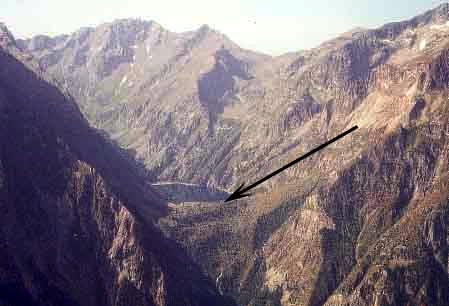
column 238, row 194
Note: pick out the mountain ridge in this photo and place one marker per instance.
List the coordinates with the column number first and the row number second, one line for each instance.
column 215, row 79
column 360, row 223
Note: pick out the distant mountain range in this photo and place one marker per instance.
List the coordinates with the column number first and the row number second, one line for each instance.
column 363, row 222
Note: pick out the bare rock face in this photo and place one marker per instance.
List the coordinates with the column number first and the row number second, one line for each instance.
column 363, row 223
column 77, row 217
column 121, row 71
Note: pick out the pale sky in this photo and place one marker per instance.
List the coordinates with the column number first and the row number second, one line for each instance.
column 269, row 26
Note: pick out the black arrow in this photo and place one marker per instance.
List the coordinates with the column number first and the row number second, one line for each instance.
column 240, row 193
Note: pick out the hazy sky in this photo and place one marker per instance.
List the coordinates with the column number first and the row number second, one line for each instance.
column 270, row 26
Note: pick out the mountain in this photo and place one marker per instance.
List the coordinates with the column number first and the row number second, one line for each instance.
column 154, row 91
column 363, row 222
column 78, row 218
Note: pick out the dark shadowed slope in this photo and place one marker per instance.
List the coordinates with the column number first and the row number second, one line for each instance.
column 76, row 218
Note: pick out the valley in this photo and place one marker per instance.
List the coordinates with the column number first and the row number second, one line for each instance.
column 132, row 136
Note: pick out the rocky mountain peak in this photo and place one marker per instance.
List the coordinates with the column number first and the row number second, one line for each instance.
column 205, row 29
column 434, row 16
column 41, row 42
column 127, row 25
column 6, row 38
column 441, row 12
column 207, row 32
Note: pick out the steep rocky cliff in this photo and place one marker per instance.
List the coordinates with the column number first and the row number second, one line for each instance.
column 365, row 221
column 77, row 218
